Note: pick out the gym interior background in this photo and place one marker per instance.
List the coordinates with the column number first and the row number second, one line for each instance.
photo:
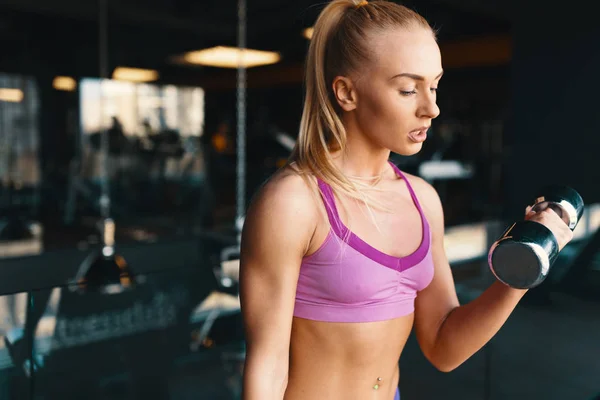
column 115, row 130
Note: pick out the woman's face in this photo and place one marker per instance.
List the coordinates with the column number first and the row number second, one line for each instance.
column 396, row 90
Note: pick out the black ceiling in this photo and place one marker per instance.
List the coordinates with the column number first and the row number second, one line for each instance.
column 61, row 36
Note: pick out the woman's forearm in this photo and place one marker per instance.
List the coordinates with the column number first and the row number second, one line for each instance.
column 263, row 382
column 469, row 327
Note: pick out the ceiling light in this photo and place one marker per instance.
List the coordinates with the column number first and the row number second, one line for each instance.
column 308, row 32
column 11, row 95
column 65, row 83
column 135, row 74
column 231, row 57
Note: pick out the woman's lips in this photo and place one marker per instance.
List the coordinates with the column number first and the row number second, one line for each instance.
column 418, row 135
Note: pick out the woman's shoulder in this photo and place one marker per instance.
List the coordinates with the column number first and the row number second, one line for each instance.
column 426, row 194
column 291, row 182
column 419, row 185
column 287, row 194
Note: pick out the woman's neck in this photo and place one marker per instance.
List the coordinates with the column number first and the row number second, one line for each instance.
column 362, row 164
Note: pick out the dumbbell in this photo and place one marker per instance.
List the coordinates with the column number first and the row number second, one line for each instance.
column 521, row 258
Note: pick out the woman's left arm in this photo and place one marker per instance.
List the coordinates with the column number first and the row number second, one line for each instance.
column 450, row 333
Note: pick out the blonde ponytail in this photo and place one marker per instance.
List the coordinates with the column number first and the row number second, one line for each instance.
column 338, row 47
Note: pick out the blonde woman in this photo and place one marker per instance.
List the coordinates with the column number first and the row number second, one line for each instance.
column 342, row 253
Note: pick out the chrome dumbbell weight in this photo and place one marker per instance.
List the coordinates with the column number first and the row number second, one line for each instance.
column 523, row 255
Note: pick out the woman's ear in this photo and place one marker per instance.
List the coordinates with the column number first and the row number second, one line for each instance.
column 345, row 93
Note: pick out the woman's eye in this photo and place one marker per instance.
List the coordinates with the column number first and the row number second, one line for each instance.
column 408, row 93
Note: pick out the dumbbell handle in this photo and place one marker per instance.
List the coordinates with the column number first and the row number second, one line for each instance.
column 564, row 209
column 566, row 201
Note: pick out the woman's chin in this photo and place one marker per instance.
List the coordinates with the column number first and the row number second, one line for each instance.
column 408, row 150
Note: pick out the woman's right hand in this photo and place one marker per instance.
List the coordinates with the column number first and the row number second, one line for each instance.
column 551, row 219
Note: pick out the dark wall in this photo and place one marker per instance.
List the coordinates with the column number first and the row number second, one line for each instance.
column 554, row 130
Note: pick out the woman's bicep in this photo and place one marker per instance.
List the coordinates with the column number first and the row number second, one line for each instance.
column 267, row 294
column 435, row 302
column 276, row 232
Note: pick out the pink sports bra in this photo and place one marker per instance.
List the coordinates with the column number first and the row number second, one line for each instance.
column 347, row 280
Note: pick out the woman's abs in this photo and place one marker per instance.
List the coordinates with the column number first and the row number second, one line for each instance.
column 346, row 360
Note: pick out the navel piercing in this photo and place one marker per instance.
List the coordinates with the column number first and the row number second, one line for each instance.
column 379, row 380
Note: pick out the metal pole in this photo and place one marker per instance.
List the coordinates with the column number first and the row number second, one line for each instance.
column 241, row 121
column 104, row 140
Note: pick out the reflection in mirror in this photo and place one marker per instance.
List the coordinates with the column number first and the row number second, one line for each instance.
column 166, row 339
column 15, row 347
column 19, row 161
